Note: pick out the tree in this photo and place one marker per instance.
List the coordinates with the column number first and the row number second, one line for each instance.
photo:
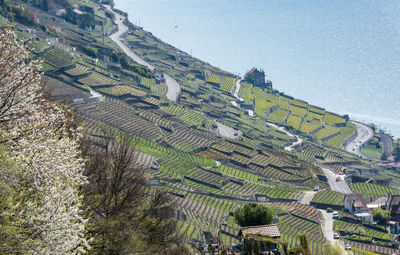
column 253, row 214
column 304, row 244
column 380, row 215
column 41, row 167
column 128, row 216
column 91, row 51
column 396, row 154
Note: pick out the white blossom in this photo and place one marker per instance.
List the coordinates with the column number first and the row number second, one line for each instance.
column 48, row 159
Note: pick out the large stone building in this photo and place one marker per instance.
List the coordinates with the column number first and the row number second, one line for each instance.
column 256, row 77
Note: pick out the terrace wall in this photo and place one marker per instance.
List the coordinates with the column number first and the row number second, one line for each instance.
column 350, row 138
column 325, row 206
column 330, row 136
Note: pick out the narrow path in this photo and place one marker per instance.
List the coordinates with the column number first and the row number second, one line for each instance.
column 294, row 144
column 95, row 95
column 237, row 89
column 327, row 225
column 338, row 186
column 364, row 135
column 173, row 87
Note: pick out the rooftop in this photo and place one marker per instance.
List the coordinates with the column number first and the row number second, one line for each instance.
column 269, row 230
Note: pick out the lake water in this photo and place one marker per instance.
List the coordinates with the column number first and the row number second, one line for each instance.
column 341, row 55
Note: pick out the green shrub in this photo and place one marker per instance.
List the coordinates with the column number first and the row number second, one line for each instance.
column 380, row 215
column 253, row 214
column 91, row 51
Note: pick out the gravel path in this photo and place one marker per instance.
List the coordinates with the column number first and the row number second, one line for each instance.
column 364, row 134
column 173, row 87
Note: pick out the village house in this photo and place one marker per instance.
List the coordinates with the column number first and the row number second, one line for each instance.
column 266, row 238
column 256, row 77
column 356, row 205
column 393, row 206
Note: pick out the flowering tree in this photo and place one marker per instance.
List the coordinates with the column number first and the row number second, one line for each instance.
column 41, row 167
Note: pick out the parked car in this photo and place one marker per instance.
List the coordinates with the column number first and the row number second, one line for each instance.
column 336, row 236
column 335, row 215
column 316, row 188
column 347, row 247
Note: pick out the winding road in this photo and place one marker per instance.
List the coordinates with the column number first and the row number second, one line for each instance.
column 326, row 221
column 364, row 135
column 173, row 87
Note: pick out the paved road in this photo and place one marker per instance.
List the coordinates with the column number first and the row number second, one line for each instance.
column 340, row 186
column 364, row 134
column 173, row 87
column 387, row 145
column 326, row 223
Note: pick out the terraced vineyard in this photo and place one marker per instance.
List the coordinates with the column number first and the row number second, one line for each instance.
column 327, row 131
column 192, row 118
column 290, row 228
column 97, row 79
column 327, row 198
column 209, row 176
column 309, row 127
column 79, row 69
column 173, row 109
column 214, row 79
column 339, row 140
column 263, row 101
column 123, row 90
column 118, row 115
column 279, row 116
column 373, row 191
column 294, row 121
column 58, row 58
column 227, row 84
column 340, row 225
column 333, row 119
column 246, row 92
column 298, row 111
